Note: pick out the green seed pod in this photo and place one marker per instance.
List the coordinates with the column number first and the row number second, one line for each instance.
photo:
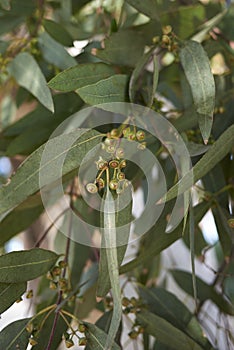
column 32, row 342
column 62, row 264
column 140, row 135
column 69, row 343
column 100, row 183
column 29, row 327
column 131, row 136
column 109, row 142
column 56, row 271
column 91, row 188
column 113, row 184
column 231, row 223
column 122, row 164
column 62, row 282
column 49, row 276
column 110, row 149
column 101, row 164
column 119, row 153
column 82, row 341
column 53, row 285
column 167, row 29
column 133, row 334
column 120, row 176
column 29, row 294
column 126, row 132
column 81, row 328
column 125, row 301
column 114, row 164
column 114, row 133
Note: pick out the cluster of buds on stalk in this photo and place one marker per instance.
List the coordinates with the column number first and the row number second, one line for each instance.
column 111, row 166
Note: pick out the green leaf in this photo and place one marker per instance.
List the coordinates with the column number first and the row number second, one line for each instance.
column 57, row 32
column 160, row 329
column 196, row 66
column 25, row 265
column 81, row 75
column 153, row 243
column 192, row 251
column 112, row 89
column 9, row 293
column 109, row 238
column 25, row 182
column 28, row 74
column 118, row 46
column 8, row 23
column 122, row 219
column 199, row 242
column 104, row 323
column 14, row 336
column 216, row 152
column 147, row 7
column 20, row 218
column 36, row 127
column 204, row 290
column 135, row 81
column 97, row 338
column 166, row 305
column 55, row 53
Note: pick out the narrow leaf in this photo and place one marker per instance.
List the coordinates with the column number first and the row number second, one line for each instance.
column 109, row 238
column 138, row 70
column 122, row 219
column 112, row 89
column 82, row 75
column 204, row 290
column 212, row 157
column 14, row 336
column 28, row 74
column 97, row 338
column 153, row 243
column 9, row 293
column 25, row 265
column 192, row 252
column 196, row 66
column 160, row 329
column 166, row 305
